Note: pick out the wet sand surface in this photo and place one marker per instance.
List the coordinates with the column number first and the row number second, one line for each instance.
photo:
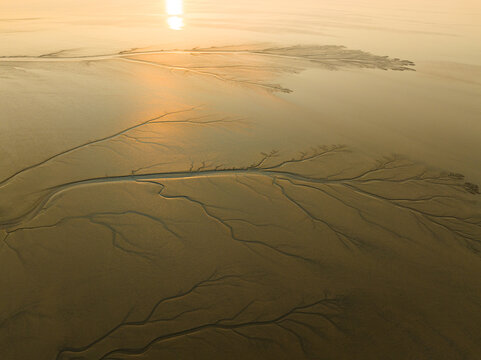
column 239, row 180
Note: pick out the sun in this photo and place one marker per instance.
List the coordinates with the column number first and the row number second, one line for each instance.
column 174, row 9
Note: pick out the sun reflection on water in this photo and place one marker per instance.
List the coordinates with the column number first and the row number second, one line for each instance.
column 174, row 10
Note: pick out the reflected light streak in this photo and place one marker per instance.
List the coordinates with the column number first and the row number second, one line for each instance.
column 174, row 8
column 175, row 22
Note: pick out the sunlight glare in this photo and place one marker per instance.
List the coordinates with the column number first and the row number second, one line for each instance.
column 175, row 22
column 174, row 9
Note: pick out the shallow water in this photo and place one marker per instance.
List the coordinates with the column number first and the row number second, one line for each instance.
column 195, row 179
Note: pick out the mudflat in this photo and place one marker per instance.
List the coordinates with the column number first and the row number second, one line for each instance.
column 193, row 180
